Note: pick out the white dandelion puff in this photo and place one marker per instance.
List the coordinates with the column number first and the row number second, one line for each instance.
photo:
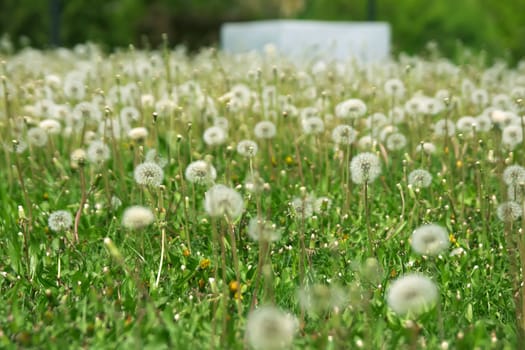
column 148, row 174
column 98, row 152
column 312, row 125
column 365, row 167
column 412, row 294
column 60, row 220
column 265, row 129
column 344, row 134
column 221, row 200
column 514, row 175
column 260, row 229
column 37, row 137
column 430, row 239
column 352, row 108
column 247, row 148
column 200, row 172
column 509, row 211
column 137, row 217
column 419, row 178
column 214, row 136
column 268, row 328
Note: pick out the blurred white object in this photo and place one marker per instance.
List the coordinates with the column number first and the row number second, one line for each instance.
column 366, row 41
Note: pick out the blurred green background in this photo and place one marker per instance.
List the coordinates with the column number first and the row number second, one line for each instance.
column 495, row 27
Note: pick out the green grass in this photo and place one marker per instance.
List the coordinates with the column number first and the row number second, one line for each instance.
column 58, row 293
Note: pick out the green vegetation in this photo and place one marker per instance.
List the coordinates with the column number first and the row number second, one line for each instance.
column 154, row 200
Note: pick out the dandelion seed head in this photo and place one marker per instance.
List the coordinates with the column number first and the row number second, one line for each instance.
column 313, row 125
column 320, row 298
column 214, row 136
column 221, row 201
column 444, row 127
column 419, row 178
column 396, row 141
column 138, row 134
column 514, row 175
column 60, row 220
column 512, row 136
column 427, row 147
column 394, row 88
column 37, row 137
column 268, row 328
column 260, row 229
column 344, row 134
column 200, row 172
column 352, row 108
column 148, row 174
column 430, row 240
column 509, row 211
column 247, row 148
column 98, row 152
column 137, row 217
column 365, row 167
column 265, row 130
column 51, row 126
column 412, row 294
column 303, row 207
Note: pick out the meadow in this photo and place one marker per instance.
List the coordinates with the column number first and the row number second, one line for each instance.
column 166, row 200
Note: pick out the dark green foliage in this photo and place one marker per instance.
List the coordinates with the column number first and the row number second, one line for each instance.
column 494, row 27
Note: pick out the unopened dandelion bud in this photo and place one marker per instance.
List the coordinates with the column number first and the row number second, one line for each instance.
column 411, row 192
column 112, row 248
column 21, row 213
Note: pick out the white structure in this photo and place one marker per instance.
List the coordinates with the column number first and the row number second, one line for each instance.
column 367, row 41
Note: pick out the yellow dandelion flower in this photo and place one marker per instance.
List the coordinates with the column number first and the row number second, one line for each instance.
column 204, row 264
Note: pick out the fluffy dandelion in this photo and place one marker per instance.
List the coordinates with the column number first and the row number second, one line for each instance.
column 396, row 141
column 426, row 147
column 412, row 294
column 322, row 205
column 514, row 175
column 430, row 240
column 320, row 298
column 509, row 211
column 51, row 126
column 269, row 328
column 444, row 127
column 265, row 130
column 395, row 88
column 200, row 172
column 247, row 148
column 138, row 134
column 37, row 137
column 344, row 134
column 419, row 178
column 148, row 174
column 77, row 157
column 352, row 108
column 365, row 167
column 313, row 125
column 260, row 229
column 467, row 125
column 60, row 220
column 98, row 152
column 221, row 200
column 303, row 207
column 137, row 217
column 512, row 136
column 214, row 136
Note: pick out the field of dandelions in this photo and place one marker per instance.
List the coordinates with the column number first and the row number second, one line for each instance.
column 162, row 200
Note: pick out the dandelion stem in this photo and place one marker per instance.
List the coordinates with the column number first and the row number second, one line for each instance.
column 83, row 198
column 162, row 243
column 371, row 243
